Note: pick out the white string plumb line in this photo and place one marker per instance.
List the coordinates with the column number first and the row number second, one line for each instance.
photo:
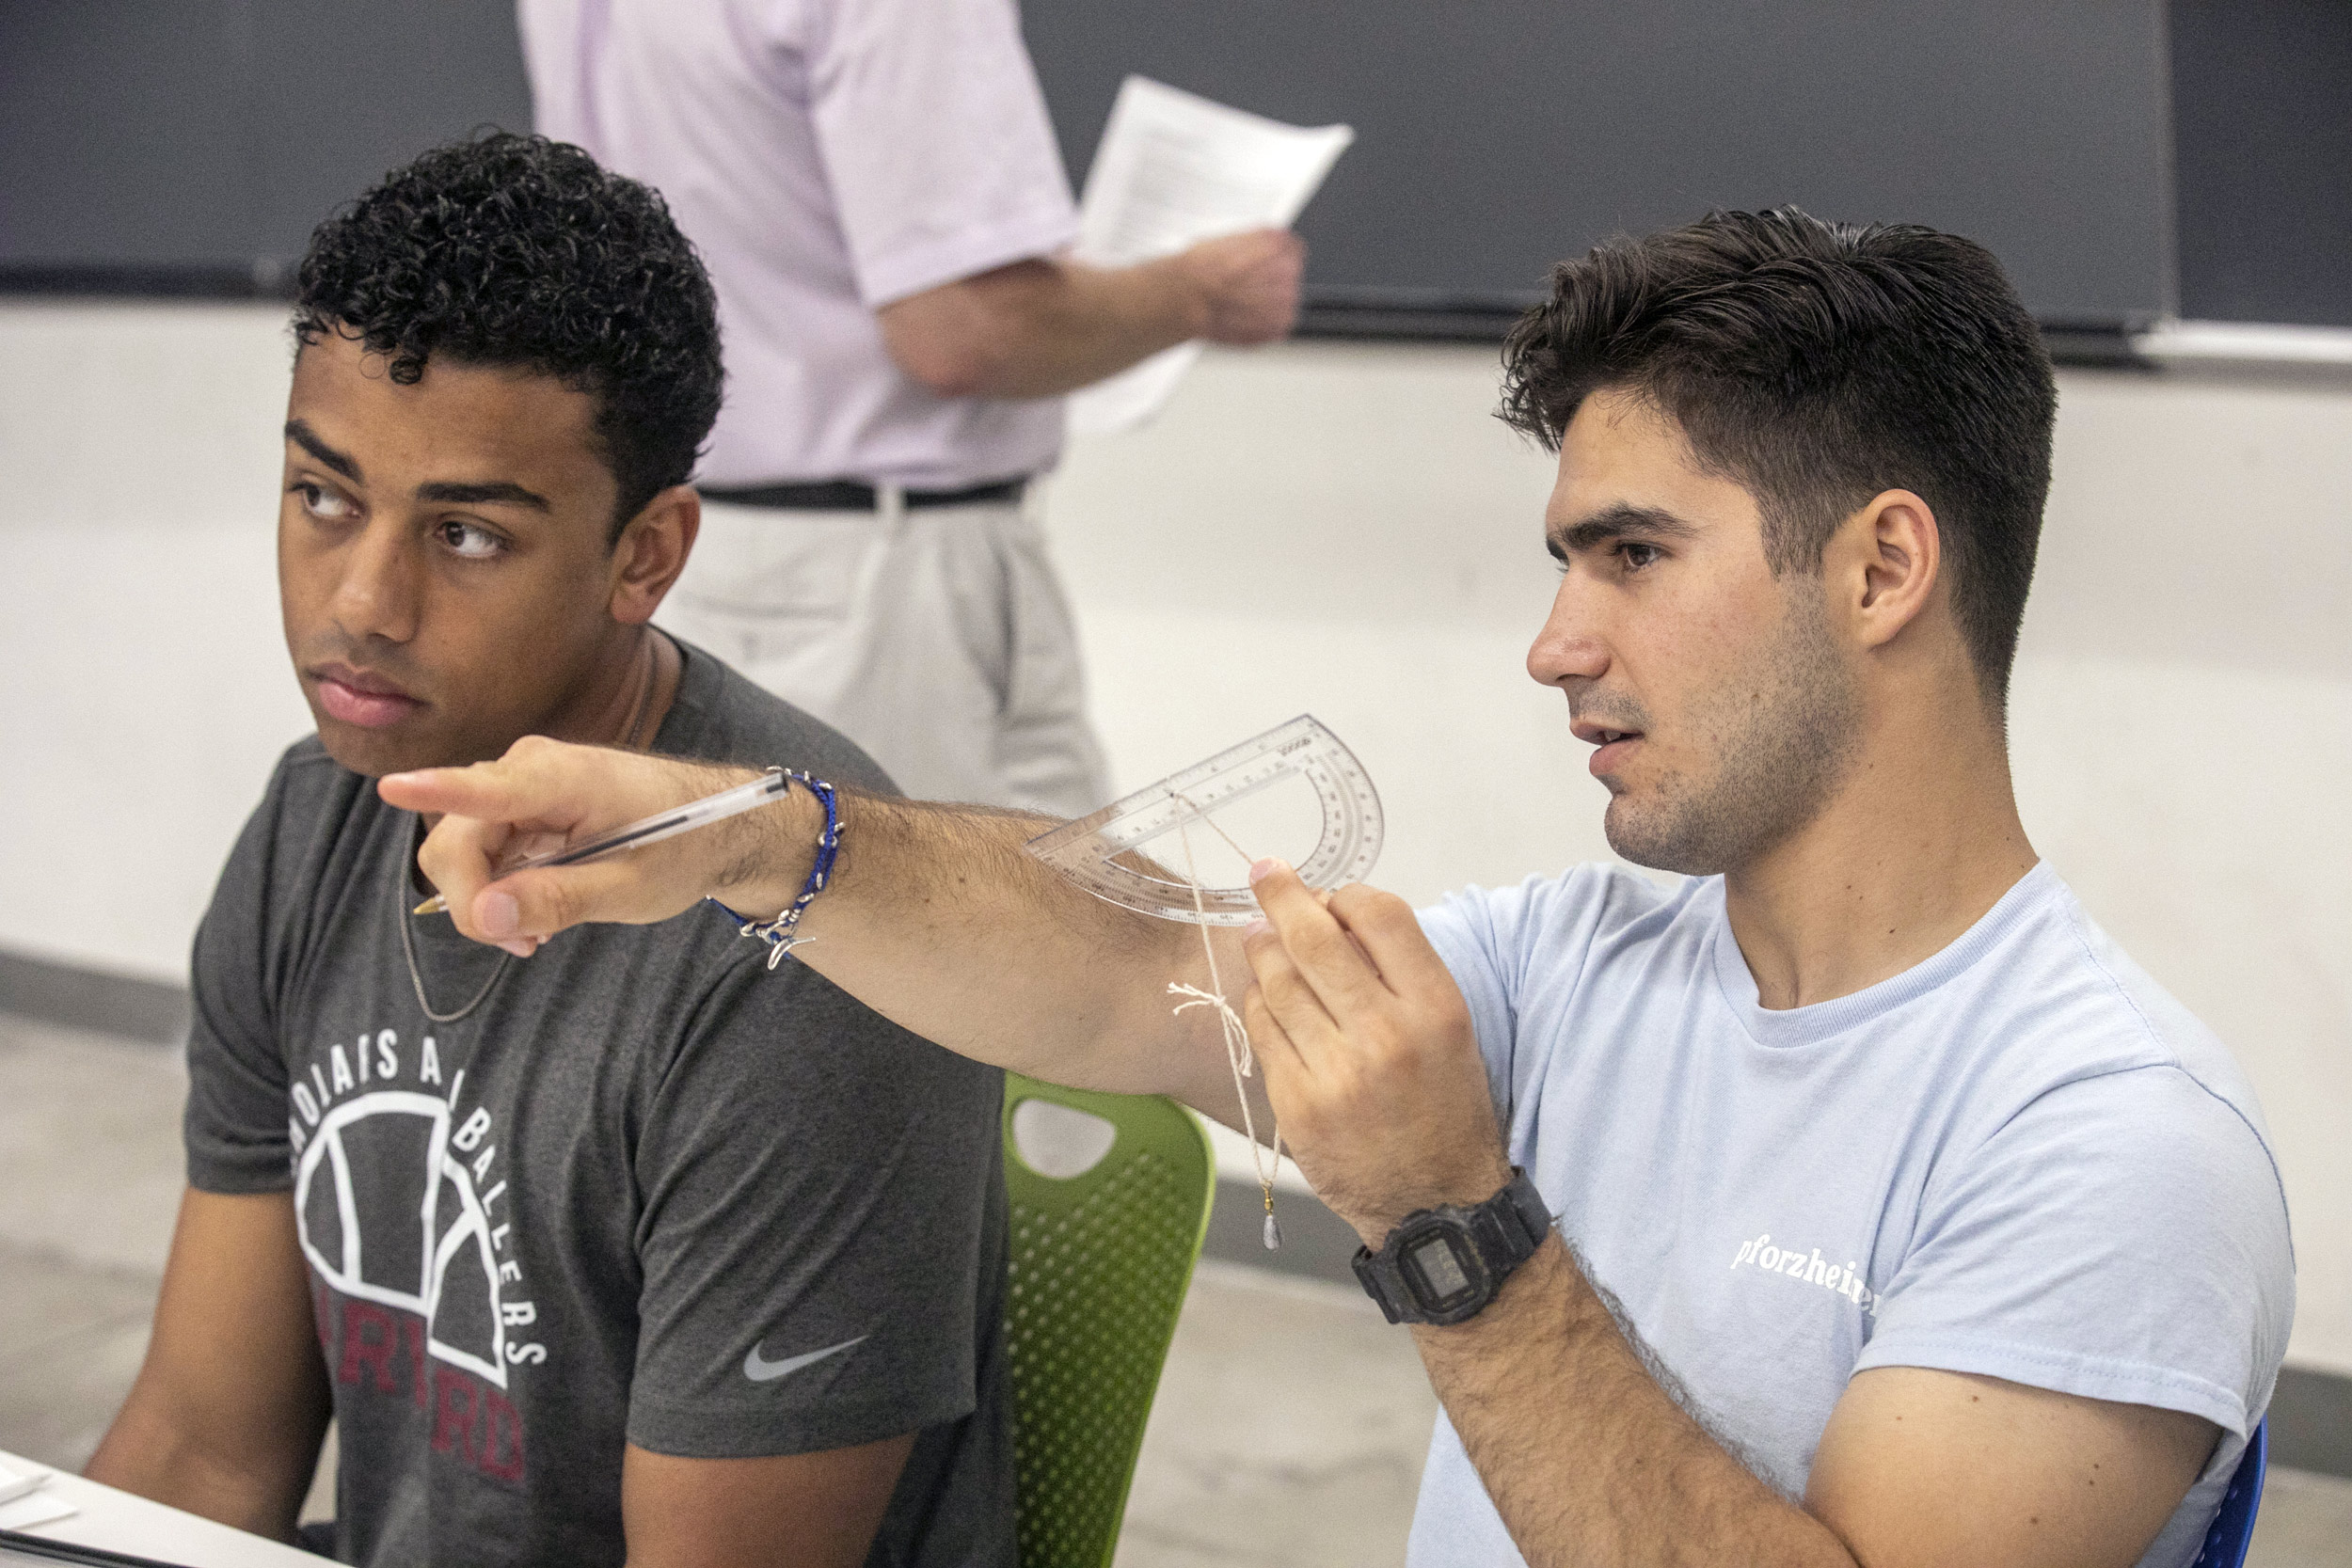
column 1238, row 1055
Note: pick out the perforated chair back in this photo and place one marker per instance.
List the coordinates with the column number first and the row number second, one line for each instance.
column 1100, row 1262
column 2233, row 1528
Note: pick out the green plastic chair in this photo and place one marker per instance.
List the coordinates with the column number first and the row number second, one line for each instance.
column 1100, row 1261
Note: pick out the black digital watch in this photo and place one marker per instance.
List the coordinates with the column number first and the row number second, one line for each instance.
column 1442, row 1265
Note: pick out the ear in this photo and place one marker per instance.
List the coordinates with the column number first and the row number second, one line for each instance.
column 1883, row 565
column 652, row 551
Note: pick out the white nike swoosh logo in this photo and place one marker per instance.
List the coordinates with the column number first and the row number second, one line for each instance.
column 760, row 1369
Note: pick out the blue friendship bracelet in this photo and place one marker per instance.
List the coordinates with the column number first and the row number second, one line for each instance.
column 779, row 933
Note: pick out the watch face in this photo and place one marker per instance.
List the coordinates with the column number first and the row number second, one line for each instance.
column 1440, row 1270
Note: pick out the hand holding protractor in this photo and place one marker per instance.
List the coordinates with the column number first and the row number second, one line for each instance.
column 1290, row 759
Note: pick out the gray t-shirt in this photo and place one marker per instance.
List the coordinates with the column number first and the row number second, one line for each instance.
column 648, row 1191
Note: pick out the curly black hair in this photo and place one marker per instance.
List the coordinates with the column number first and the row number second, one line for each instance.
column 515, row 250
column 1820, row 364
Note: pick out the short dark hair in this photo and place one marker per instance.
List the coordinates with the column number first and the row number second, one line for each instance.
column 519, row 251
column 1819, row 364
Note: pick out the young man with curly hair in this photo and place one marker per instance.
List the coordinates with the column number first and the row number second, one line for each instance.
column 1875, row 1208
column 643, row 1254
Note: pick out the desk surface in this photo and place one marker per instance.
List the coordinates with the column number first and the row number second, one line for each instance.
column 122, row 1523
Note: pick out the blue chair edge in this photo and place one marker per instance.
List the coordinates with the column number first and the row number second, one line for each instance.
column 2233, row 1528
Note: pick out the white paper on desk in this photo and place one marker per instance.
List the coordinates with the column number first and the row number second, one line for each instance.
column 35, row 1508
column 1175, row 169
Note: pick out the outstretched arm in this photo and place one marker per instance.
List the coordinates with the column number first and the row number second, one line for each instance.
column 936, row 918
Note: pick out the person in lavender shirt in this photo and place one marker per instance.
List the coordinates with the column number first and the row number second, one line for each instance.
column 875, row 188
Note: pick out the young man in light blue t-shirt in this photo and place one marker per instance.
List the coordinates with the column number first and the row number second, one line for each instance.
column 1876, row 1208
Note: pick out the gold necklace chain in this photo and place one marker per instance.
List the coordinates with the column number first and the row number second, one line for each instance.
column 408, row 951
column 400, row 880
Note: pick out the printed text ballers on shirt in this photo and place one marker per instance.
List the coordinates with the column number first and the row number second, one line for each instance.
column 420, row 1293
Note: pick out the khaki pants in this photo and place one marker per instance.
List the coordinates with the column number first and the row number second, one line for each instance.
column 938, row 640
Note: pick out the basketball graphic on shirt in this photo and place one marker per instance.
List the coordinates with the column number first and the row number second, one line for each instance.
column 423, row 1244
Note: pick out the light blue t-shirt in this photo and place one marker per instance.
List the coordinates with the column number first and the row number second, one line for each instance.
column 2020, row 1159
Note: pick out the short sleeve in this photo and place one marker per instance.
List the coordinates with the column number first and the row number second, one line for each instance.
column 1463, row 927
column 935, row 141
column 1511, row 949
column 818, row 1186
column 2123, row 1237
column 235, row 1125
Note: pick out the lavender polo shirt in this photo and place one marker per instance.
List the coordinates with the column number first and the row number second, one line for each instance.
column 827, row 157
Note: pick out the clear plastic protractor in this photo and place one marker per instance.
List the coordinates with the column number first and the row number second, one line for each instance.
column 1295, row 792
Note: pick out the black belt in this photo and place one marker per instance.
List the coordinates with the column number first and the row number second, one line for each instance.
column 855, row 495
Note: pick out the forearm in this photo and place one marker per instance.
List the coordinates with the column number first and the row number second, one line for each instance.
column 936, row 919
column 932, row 916
column 252, row 1480
column 229, row 1406
column 1042, row 327
column 1587, row 1457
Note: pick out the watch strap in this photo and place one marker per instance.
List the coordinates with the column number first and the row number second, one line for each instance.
column 1505, row 1232
column 1510, row 1225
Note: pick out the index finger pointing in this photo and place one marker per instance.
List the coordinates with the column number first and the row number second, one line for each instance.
column 478, row 791
column 538, row 783
column 545, row 787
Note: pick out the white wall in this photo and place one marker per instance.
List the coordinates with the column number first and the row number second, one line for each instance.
column 1334, row 529
column 144, row 688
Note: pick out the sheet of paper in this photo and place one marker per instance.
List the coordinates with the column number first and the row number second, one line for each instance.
column 27, row 1503
column 1174, row 169
column 35, row 1508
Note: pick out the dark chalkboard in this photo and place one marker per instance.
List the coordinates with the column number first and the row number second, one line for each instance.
column 206, row 138
column 2263, row 116
column 1496, row 136
column 2126, row 158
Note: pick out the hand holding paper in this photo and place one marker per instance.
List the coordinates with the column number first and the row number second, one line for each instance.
column 1175, row 169
column 1249, row 282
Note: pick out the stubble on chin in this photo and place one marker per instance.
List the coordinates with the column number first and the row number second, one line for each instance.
column 1773, row 759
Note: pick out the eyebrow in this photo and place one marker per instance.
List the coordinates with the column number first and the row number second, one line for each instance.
column 448, row 492
column 491, row 493
column 1617, row 522
column 307, row 439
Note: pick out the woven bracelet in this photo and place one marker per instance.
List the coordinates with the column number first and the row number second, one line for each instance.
column 780, row 933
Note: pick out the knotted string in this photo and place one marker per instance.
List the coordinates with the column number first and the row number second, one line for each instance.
column 1238, row 1055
